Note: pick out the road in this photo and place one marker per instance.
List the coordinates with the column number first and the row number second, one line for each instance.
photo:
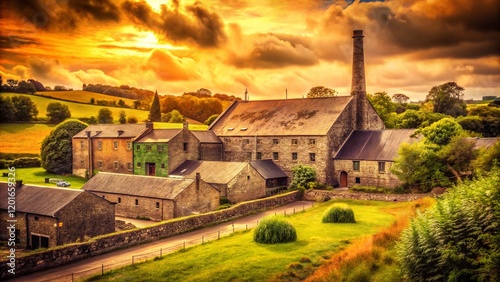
column 93, row 265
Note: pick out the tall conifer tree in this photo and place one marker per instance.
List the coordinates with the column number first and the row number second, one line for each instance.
column 155, row 112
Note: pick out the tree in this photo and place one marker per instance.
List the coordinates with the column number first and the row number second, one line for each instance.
column 105, row 116
column 409, row 119
column 38, row 85
column 123, row 117
column 60, row 88
column 441, row 132
column 176, row 117
column 487, row 160
column 92, row 100
column 384, row 107
column 137, row 104
column 321, row 91
column 155, row 111
column 57, row 112
column 400, row 98
column 7, row 110
column 132, row 119
column 12, row 82
column 302, row 176
column 211, row 119
column 25, row 87
column 448, row 99
column 121, row 103
column 458, row 156
column 25, row 109
column 203, row 93
column 56, row 152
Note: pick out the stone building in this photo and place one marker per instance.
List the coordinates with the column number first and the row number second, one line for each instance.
column 236, row 181
column 367, row 156
column 299, row 131
column 106, row 147
column 158, row 152
column 48, row 217
column 154, row 198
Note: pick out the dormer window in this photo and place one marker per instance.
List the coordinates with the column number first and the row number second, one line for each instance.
column 230, row 129
column 243, row 129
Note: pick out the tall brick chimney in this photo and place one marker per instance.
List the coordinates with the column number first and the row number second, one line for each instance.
column 358, row 87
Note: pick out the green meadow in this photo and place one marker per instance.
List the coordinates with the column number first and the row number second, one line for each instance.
column 239, row 258
column 37, row 175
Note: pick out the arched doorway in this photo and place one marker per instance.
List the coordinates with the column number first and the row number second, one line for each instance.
column 343, row 179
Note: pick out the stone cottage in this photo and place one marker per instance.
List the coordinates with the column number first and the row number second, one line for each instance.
column 106, row 147
column 154, row 198
column 299, row 131
column 48, row 217
column 236, row 181
column 366, row 157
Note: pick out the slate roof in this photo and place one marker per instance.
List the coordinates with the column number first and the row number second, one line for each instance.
column 280, row 117
column 210, row 171
column 112, row 130
column 374, row 145
column 268, row 169
column 207, row 136
column 137, row 185
column 159, row 135
column 39, row 200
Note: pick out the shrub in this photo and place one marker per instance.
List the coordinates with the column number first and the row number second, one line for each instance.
column 273, row 230
column 5, row 163
column 339, row 213
column 26, row 162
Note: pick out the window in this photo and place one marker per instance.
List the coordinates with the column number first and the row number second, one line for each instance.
column 162, row 165
column 36, row 217
column 295, row 141
column 294, row 156
column 249, row 156
column 259, row 141
column 136, row 202
column 312, row 141
column 138, row 147
column 358, row 180
column 119, row 200
column 129, row 145
column 139, row 165
column 82, row 144
column 159, row 148
column 381, row 167
column 148, row 148
column 185, row 146
column 248, row 177
column 259, row 156
column 99, row 145
column 157, row 205
column 312, row 157
column 82, row 163
column 246, row 141
column 115, row 165
column 275, row 156
column 100, row 164
column 104, row 197
column 129, row 166
column 276, row 141
column 115, row 145
column 355, row 165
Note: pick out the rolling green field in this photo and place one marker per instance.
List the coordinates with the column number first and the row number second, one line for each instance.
column 23, row 137
column 239, row 258
column 80, row 110
column 37, row 175
column 83, row 96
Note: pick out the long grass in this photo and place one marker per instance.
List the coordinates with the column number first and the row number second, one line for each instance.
column 371, row 258
column 239, row 258
column 23, row 137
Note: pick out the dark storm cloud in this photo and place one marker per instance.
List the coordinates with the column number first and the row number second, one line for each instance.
column 199, row 26
column 273, row 51
column 14, row 41
column 64, row 14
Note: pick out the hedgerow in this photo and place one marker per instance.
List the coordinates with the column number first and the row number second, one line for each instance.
column 459, row 238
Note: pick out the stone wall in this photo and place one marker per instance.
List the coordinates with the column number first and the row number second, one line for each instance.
column 247, row 185
column 368, row 174
column 182, row 147
column 210, row 152
column 106, row 243
column 320, row 195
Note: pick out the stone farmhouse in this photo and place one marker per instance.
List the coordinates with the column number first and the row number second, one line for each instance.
column 154, row 198
column 236, row 181
column 48, row 217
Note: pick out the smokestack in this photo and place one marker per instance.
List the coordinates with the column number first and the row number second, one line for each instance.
column 358, row 87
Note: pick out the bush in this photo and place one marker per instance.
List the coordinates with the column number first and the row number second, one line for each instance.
column 273, row 230
column 339, row 213
column 458, row 239
column 5, row 163
column 26, row 162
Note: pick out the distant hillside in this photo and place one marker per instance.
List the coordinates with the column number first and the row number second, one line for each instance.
column 85, row 97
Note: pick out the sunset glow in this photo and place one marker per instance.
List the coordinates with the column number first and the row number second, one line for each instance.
column 267, row 47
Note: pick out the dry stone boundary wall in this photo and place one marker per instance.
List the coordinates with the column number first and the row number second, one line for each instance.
column 321, row 195
column 106, row 243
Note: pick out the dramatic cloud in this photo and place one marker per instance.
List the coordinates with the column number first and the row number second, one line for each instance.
column 168, row 68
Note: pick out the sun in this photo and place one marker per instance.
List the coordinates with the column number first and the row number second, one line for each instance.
column 156, row 4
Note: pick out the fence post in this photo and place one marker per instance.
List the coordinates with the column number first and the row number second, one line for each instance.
column 246, row 226
column 218, row 234
column 184, row 245
column 161, row 252
column 132, row 260
column 202, row 239
column 285, row 213
column 233, row 227
column 102, row 269
column 293, row 210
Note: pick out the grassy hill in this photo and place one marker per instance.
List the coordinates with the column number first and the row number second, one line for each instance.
column 82, row 96
column 79, row 110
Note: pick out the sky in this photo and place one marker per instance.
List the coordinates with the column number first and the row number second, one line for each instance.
column 270, row 47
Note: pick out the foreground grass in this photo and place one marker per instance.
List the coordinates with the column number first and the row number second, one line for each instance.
column 239, row 258
column 23, row 137
column 37, row 175
column 372, row 258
